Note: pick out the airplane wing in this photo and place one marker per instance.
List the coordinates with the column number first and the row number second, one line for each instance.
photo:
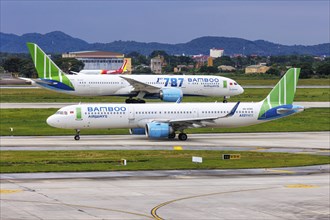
column 141, row 86
column 180, row 124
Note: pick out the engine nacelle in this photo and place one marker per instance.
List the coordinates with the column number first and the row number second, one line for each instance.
column 158, row 130
column 137, row 131
column 170, row 94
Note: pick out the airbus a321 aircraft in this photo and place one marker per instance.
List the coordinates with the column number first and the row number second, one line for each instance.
column 168, row 88
column 163, row 120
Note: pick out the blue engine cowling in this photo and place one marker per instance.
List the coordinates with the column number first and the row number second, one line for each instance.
column 170, row 94
column 137, row 131
column 158, row 130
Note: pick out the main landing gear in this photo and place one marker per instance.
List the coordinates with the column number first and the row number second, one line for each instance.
column 77, row 137
column 182, row 136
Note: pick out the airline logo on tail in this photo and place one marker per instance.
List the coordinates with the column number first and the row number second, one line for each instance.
column 50, row 74
column 279, row 101
column 121, row 70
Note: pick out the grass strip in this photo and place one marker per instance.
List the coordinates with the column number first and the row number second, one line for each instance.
column 249, row 95
column 75, row 161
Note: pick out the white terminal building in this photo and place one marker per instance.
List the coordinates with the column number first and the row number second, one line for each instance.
column 215, row 53
column 100, row 60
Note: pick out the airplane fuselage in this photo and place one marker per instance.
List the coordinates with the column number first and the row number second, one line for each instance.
column 86, row 116
column 115, row 85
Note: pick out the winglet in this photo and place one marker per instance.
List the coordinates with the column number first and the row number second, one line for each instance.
column 232, row 111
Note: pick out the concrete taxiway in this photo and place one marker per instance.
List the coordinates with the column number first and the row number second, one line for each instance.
column 281, row 196
column 317, row 142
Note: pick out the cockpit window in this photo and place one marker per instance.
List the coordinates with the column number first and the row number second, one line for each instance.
column 61, row 112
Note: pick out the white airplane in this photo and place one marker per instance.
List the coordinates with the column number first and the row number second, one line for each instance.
column 163, row 120
column 168, row 88
column 121, row 70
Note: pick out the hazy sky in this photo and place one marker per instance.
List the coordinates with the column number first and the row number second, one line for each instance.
column 285, row 22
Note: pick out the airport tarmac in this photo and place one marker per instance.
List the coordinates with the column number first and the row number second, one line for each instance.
column 292, row 142
column 60, row 105
column 280, row 196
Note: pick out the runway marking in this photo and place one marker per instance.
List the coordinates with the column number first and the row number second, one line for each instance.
column 8, row 191
column 155, row 209
column 280, row 171
column 301, row 186
column 79, row 206
column 177, row 148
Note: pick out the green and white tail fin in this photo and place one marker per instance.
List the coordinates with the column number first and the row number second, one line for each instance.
column 283, row 93
column 47, row 69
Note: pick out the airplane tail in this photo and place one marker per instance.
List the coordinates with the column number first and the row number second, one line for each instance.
column 279, row 101
column 47, row 70
column 124, row 67
column 121, row 70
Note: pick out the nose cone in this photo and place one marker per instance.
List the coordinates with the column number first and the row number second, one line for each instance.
column 237, row 90
column 240, row 90
column 52, row 121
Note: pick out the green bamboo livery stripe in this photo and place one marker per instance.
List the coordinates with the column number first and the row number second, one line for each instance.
column 78, row 113
column 225, row 84
column 283, row 92
column 45, row 67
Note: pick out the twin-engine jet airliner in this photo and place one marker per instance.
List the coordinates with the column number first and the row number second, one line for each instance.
column 168, row 88
column 163, row 120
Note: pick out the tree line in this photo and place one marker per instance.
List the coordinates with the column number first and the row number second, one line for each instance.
column 310, row 66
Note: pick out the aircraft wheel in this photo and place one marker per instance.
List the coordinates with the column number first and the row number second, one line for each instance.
column 141, row 101
column 225, row 101
column 171, row 136
column 128, row 101
column 183, row 137
column 77, row 137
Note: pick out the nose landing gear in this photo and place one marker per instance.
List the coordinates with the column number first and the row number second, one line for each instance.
column 77, row 137
column 225, row 99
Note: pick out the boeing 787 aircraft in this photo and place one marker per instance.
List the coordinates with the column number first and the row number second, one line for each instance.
column 168, row 88
column 163, row 120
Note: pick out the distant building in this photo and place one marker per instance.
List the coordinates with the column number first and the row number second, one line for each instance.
column 100, row 60
column 180, row 68
column 224, row 68
column 215, row 53
column 200, row 60
column 209, row 61
column 156, row 64
column 256, row 69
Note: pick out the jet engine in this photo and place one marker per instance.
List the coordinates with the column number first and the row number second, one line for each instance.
column 170, row 94
column 137, row 131
column 158, row 130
